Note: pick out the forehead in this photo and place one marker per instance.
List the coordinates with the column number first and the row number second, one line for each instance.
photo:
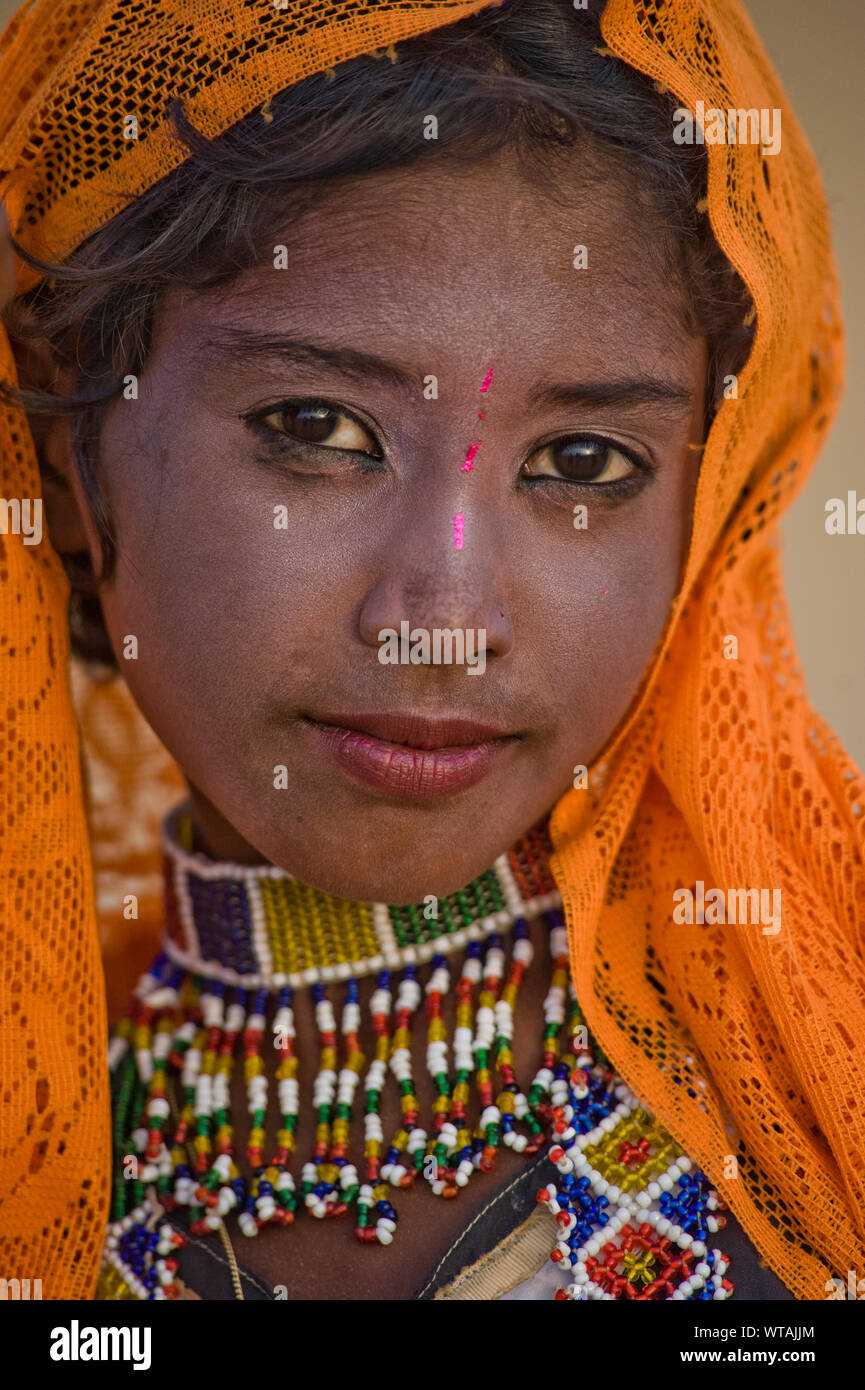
column 449, row 259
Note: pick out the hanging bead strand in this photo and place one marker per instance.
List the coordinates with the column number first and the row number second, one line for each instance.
column 410, row 1140
column 464, row 1063
column 340, row 1172
column 444, row 1136
column 373, row 1194
column 488, row 1135
column 511, row 1102
column 288, row 1101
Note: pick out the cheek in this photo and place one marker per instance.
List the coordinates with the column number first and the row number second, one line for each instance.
column 218, row 598
column 605, row 605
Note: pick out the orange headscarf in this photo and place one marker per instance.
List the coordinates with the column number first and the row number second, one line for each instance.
column 742, row 1043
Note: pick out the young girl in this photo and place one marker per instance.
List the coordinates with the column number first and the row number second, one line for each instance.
column 363, row 351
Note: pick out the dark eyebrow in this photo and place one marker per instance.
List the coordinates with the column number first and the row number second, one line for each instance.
column 604, row 394
column 239, row 344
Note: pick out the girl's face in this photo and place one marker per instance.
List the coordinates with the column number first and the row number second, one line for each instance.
column 285, row 486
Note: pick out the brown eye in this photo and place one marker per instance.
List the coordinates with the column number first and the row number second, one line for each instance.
column 581, row 461
column 312, row 422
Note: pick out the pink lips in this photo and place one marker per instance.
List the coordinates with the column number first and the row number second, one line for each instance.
column 404, row 755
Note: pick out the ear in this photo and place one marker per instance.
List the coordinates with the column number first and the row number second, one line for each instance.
column 71, row 525
column 70, row 520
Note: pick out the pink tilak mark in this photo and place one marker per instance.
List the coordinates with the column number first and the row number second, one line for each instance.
column 606, row 591
column 487, row 379
column 459, row 521
column 469, row 465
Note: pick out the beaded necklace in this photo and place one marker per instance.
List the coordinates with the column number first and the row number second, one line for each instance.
column 239, row 941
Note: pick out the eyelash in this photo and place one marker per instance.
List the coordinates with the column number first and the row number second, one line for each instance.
column 275, row 439
column 618, row 487
column 370, row 463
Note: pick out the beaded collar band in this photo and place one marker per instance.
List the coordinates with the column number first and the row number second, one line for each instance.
column 633, row 1218
column 260, row 928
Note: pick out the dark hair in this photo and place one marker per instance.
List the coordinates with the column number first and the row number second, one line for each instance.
column 529, row 74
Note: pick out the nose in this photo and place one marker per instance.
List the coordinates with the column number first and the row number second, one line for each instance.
column 429, row 583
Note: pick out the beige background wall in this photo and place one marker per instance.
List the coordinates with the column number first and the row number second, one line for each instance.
column 819, row 51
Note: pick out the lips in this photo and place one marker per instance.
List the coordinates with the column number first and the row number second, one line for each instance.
column 407, row 755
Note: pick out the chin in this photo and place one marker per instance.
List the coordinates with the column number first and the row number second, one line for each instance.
column 396, row 883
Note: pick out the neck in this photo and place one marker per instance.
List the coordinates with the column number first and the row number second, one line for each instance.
column 259, row 927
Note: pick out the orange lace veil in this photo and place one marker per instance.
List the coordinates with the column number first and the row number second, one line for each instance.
column 742, row 1043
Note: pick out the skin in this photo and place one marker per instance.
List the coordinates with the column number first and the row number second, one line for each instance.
column 259, row 626
column 244, row 629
